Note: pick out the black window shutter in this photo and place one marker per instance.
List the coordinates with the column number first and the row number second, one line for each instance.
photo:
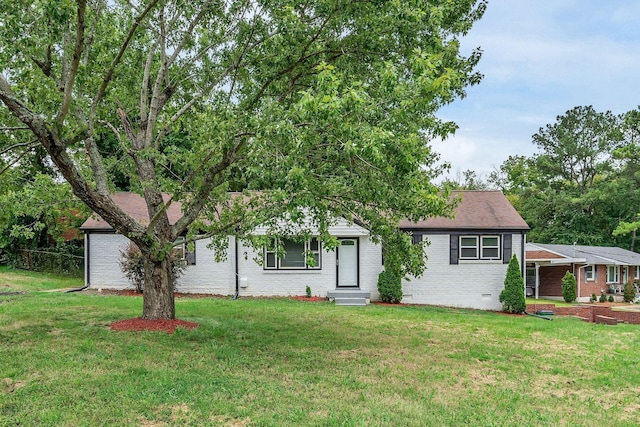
column 453, row 249
column 506, row 248
column 416, row 238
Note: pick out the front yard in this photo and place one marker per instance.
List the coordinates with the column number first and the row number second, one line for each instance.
column 284, row 362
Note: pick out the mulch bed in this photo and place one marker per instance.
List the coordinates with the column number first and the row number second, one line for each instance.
column 140, row 324
column 310, row 299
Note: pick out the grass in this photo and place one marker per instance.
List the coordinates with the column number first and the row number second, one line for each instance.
column 14, row 280
column 558, row 303
column 274, row 362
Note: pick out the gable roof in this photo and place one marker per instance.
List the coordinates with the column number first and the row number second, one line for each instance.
column 591, row 255
column 476, row 210
column 134, row 205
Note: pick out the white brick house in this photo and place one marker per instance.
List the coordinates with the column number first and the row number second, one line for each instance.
column 466, row 266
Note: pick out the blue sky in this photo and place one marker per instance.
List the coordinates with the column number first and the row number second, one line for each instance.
column 540, row 59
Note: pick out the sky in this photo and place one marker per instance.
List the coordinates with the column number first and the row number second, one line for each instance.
column 540, row 59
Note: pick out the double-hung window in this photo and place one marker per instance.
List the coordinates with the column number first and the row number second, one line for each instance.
column 589, row 273
column 613, row 274
column 480, row 247
column 295, row 255
column 469, row 247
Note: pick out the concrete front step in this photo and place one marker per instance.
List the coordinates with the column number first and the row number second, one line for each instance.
column 360, row 302
column 356, row 293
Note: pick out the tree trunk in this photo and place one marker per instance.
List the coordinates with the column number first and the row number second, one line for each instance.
column 158, row 300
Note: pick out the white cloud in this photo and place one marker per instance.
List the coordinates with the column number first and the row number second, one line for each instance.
column 541, row 59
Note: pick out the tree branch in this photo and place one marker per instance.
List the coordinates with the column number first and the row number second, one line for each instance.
column 100, row 203
column 89, row 40
column 109, row 74
column 10, row 165
column 30, row 144
column 12, row 128
column 210, row 182
column 69, row 80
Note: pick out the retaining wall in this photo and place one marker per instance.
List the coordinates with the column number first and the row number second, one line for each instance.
column 588, row 312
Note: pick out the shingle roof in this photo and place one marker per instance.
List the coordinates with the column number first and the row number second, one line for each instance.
column 592, row 254
column 476, row 210
column 134, row 205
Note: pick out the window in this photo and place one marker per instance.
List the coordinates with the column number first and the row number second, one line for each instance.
column 636, row 274
column 490, row 247
column 480, row 247
column 296, row 255
column 613, row 274
column 588, row 272
column 181, row 251
column 468, row 247
column 625, row 274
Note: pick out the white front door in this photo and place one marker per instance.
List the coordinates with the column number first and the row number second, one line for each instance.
column 348, row 263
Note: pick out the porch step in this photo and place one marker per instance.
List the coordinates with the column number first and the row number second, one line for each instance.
column 360, row 302
column 348, row 294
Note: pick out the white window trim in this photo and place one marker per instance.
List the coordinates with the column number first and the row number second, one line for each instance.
column 483, row 247
column 476, row 247
column 307, row 249
column 590, row 277
column 480, row 247
column 617, row 274
column 636, row 272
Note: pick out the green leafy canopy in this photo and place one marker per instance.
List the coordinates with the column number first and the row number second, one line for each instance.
column 326, row 106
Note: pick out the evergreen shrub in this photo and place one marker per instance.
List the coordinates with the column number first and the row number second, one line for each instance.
column 390, row 286
column 569, row 287
column 512, row 296
column 629, row 292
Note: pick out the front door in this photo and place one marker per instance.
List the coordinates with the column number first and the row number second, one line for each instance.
column 348, row 263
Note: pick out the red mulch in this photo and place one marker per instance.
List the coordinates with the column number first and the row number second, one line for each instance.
column 311, row 299
column 140, row 324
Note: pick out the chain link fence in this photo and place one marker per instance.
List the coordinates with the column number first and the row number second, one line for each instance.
column 50, row 262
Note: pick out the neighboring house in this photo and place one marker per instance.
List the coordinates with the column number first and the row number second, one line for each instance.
column 597, row 269
column 467, row 258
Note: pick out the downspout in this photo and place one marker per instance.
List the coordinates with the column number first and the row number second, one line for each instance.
column 537, row 280
column 87, row 264
column 523, row 256
column 235, row 242
column 579, row 280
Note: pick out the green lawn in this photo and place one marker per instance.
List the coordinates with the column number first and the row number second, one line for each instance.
column 274, row 362
column 557, row 303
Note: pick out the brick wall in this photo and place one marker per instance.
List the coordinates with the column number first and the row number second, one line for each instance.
column 588, row 287
column 588, row 312
column 551, row 280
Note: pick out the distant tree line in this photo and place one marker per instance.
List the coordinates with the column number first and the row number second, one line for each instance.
column 583, row 184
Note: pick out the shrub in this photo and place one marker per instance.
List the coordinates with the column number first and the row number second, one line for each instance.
column 307, row 290
column 390, row 286
column 132, row 265
column 629, row 292
column 611, row 299
column 512, row 297
column 569, row 288
column 603, row 297
column 593, row 298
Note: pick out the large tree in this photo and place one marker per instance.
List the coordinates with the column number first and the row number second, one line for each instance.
column 327, row 106
column 572, row 189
